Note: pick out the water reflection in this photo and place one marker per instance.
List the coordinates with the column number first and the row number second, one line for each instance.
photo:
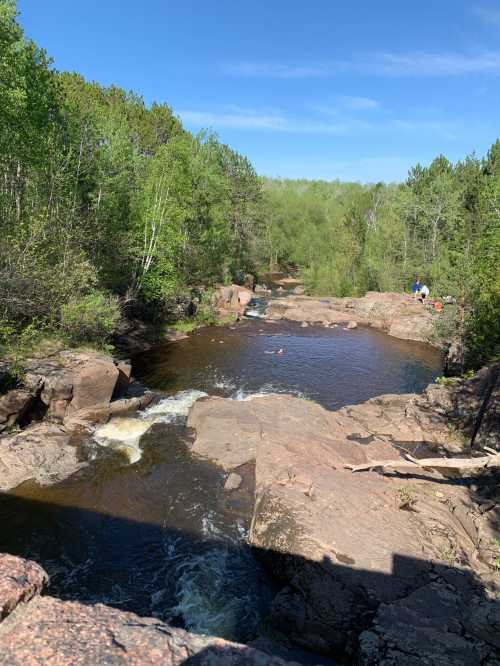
column 331, row 366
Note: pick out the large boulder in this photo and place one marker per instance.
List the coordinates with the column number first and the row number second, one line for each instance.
column 94, row 381
column 14, row 405
column 231, row 299
column 76, row 386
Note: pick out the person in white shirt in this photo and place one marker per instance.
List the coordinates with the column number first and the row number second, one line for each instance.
column 424, row 292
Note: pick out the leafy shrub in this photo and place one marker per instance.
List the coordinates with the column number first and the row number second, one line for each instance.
column 90, row 318
column 205, row 315
column 6, row 333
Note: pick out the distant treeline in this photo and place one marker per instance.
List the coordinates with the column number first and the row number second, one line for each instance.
column 109, row 206
column 442, row 225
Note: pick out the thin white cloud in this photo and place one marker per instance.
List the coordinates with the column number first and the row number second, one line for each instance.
column 435, row 64
column 380, row 64
column 358, row 103
column 320, row 122
column 487, row 15
column 256, row 121
column 281, row 71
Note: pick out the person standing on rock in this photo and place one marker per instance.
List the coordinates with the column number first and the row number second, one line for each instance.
column 415, row 289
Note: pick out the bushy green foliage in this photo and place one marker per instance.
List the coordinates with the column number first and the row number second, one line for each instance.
column 90, row 318
column 99, row 191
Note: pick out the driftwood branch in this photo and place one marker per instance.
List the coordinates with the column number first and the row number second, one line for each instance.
column 482, row 462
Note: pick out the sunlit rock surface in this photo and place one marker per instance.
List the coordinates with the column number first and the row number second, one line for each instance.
column 399, row 315
column 353, row 550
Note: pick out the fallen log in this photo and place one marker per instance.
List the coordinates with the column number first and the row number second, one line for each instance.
column 482, row 462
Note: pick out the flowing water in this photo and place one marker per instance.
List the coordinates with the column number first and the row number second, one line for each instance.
column 147, row 527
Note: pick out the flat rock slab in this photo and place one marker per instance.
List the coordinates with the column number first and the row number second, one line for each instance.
column 226, row 435
column 343, row 544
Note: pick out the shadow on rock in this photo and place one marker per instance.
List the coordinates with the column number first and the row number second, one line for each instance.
column 293, row 611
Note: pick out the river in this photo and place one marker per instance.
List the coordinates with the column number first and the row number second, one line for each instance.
column 153, row 531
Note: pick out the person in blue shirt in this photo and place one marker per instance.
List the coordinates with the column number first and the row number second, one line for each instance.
column 415, row 289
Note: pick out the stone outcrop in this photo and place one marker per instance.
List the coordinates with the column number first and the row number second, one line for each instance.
column 14, row 405
column 231, row 300
column 42, row 452
column 397, row 314
column 73, row 382
column 64, row 387
column 38, row 630
column 71, row 392
column 473, row 405
column 394, row 568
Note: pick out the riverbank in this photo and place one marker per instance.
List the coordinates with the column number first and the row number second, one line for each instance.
column 368, row 566
column 399, row 315
column 347, row 553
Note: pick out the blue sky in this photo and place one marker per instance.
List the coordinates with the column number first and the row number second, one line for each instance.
column 357, row 90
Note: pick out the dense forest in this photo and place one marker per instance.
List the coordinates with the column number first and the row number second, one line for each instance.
column 111, row 208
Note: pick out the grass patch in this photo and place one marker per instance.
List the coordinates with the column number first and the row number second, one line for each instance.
column 185, row 325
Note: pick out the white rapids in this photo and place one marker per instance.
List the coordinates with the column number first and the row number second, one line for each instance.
column 124, row 433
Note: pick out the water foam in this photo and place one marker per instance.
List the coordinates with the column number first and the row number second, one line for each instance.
column 254, row 314
column 174, row 408
column 217, row 593
column 124, row 433
column 267, row 390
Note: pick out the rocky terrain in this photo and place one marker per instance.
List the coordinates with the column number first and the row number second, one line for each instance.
column 38, row 630
column 394, row 568
column 397, row 314
column 371, row 567
column 59, row 400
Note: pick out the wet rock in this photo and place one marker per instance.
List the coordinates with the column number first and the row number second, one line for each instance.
column 123, row 381
column 233, row 481
column 351, row 325
column 50, row 631
column 127, row 405
column 42, row 452
column 20, row 581
column 172, row 335
column 261, row 289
